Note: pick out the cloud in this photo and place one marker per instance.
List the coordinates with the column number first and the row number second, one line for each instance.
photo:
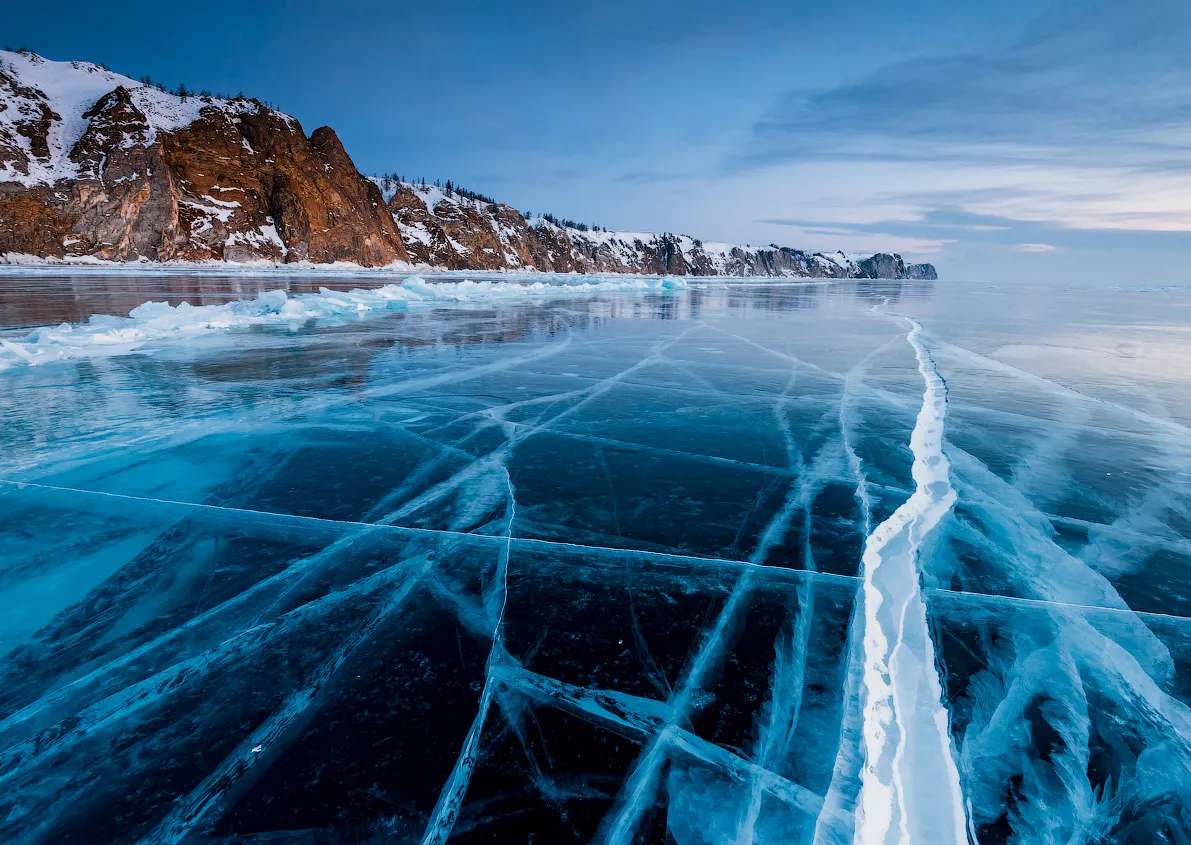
column 1083, row 119
column 1035, row 248
column 1090, row 79
column 861, row 238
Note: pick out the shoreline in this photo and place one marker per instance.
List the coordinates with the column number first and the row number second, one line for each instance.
column 11, row 263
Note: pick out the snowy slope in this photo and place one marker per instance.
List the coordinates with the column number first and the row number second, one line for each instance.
column 30, row 84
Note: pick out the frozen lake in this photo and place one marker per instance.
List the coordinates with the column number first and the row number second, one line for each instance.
column 689, row 562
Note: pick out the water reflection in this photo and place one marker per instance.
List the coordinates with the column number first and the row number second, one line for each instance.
column 28, row 300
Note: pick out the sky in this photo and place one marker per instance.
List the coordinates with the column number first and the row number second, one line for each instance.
column 1045, row 141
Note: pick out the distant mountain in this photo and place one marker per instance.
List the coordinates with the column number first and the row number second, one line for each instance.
column 95, row 164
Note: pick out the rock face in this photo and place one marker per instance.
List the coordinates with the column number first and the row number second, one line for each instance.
column 150, row 175
column 924, row 272
column 883, row 266
column 95, row 164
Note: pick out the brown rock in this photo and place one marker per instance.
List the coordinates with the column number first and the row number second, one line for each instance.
column 240, row 183
column 426, row 241
column 29, row 224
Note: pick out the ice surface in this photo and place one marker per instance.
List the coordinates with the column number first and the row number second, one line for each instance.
column 455, row 561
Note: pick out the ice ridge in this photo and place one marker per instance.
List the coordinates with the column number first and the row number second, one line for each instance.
column 105, row 335
column 910, row 790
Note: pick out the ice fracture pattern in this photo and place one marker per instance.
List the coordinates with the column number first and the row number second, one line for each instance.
column 865, row 562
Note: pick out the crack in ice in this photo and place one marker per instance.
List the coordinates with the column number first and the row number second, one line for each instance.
column 910, row 791
column 446, row 809
column 621, row 826
column 266, row 743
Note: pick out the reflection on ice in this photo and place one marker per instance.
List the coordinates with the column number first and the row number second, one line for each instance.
column 727, row 564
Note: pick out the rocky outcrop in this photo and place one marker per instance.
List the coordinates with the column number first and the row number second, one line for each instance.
column 95, row 164
column 155, row 176
column 883, row 266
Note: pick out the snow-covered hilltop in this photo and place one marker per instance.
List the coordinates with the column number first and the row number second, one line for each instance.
column 48, row 108
column 94, row 164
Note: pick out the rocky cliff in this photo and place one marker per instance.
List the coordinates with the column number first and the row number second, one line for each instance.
column 95, row 164
column 447, row 228
column 92, row 163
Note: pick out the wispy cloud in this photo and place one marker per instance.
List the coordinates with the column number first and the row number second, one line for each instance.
column 1094, row 80
column 1035, row 248
column 1083, row 119
column 873, row 237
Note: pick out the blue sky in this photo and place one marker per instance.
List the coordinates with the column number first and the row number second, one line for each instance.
column 1047, row 141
